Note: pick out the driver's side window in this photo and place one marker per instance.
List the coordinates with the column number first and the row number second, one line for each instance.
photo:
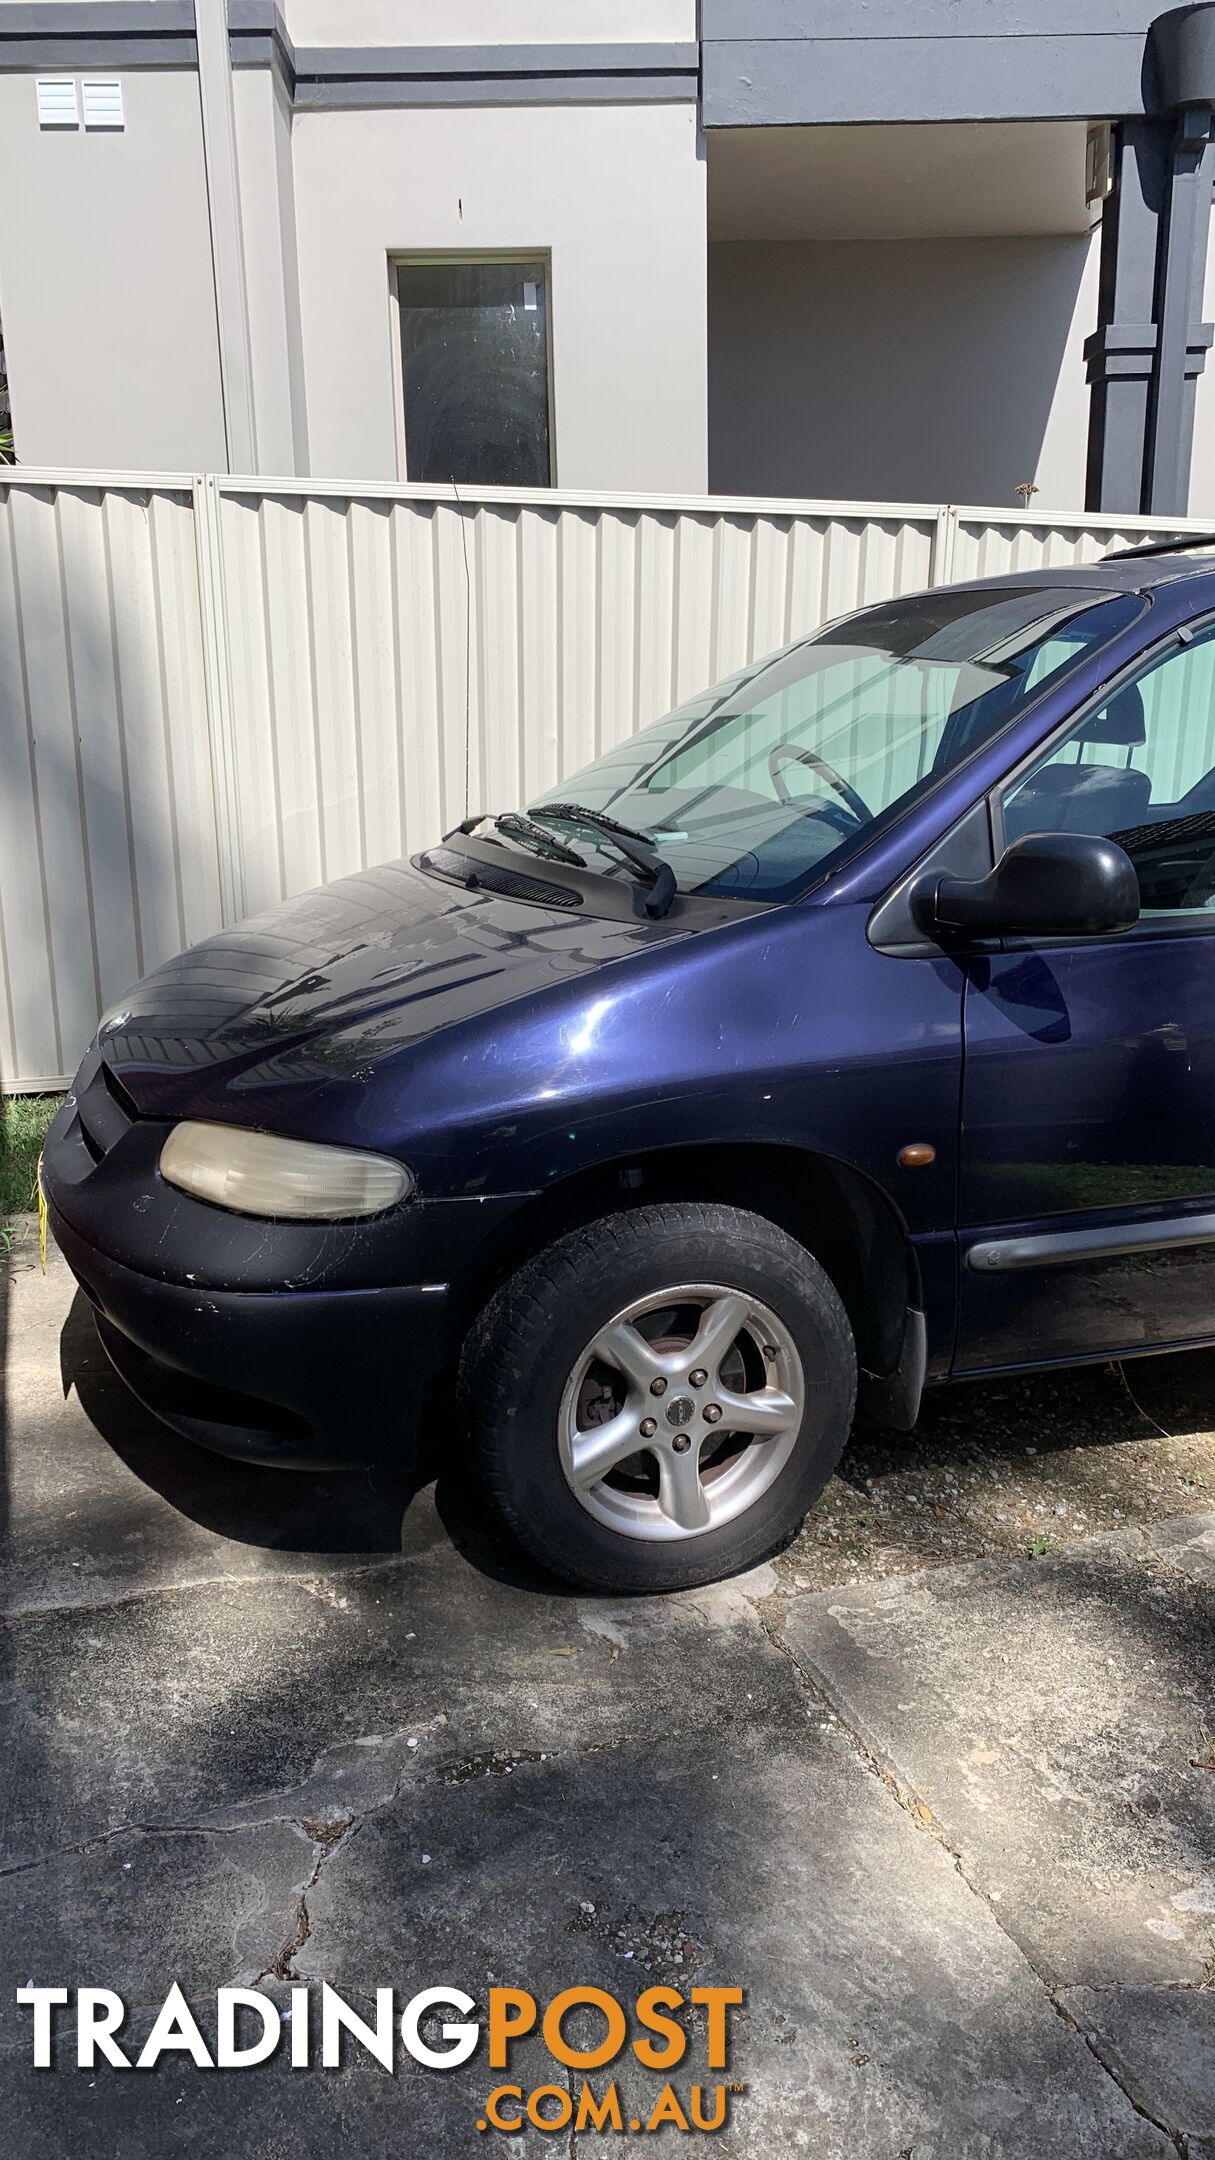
column 1140, row 769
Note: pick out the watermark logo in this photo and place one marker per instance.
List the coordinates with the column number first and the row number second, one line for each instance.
column 438, row 2028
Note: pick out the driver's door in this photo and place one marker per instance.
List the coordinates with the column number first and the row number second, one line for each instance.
column 1087, row 1184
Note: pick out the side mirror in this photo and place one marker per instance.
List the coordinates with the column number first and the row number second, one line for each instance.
column 1050, row 884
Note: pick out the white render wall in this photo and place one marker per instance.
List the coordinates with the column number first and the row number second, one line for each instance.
column 902, row 369
column 488, row 22
column 615, row 192
column 105, row 281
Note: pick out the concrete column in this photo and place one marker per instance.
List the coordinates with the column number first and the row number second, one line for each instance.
column 267, row 200
column 1121, row 352
column 1149, row 348
column 227, row 233
column 1183, row 339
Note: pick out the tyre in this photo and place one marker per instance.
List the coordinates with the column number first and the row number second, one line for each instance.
column 657, row 1399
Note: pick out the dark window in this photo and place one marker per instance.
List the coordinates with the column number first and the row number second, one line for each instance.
column 474, row 365
column 1139, row 769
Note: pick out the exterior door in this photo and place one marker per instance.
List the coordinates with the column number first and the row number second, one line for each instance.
column 1087, row 1184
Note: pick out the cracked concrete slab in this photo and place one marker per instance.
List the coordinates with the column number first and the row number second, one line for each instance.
column 1160, row 2044
column 1189, row 1543
column 880, row 1991
column 1051, row 1717
column 149, row 1907
column 182, row 1704
column 338, row 1728
column 886, row 1995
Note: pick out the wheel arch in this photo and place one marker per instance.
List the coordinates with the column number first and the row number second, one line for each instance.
column 841, row 1216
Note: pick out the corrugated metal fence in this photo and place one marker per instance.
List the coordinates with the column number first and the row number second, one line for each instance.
column 215, row 692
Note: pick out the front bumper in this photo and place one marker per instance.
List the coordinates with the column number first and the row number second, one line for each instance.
column 306, row 1345
column 317, row 1379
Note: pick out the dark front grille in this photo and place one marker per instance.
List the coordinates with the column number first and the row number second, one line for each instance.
column 115, row 1088
column 105, row 1111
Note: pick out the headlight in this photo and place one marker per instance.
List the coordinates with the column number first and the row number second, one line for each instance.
column 262, row 1174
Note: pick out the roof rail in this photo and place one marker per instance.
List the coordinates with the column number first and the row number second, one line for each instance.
column 1162, row 547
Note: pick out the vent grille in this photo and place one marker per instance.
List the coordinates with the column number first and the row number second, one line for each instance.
column 105, row 1111
column 57, row 102
column 490, row 878
column 101, row 97
column 115, row 1088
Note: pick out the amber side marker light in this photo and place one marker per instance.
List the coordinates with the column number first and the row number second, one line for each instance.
column 917, row 1155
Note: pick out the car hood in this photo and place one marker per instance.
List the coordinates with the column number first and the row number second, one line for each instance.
column 329, row 985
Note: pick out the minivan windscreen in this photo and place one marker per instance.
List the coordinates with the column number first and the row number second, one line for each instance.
column 757, row 785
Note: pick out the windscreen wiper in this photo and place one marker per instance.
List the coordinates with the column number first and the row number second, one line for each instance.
column 634, row 847
column 518, row 827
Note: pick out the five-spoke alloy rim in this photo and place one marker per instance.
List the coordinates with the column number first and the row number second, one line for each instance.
column 681, row 1412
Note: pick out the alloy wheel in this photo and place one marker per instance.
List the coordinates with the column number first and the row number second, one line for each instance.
column 681, row 1412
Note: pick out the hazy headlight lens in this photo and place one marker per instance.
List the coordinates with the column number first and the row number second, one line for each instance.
column 262, row 1174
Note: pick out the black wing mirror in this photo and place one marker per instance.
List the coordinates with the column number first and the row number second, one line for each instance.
column 1044, row 885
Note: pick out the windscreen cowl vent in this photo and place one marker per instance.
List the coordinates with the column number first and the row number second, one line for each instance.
column 494, row 877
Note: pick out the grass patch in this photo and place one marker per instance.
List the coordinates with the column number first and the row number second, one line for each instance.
column 23, row 1123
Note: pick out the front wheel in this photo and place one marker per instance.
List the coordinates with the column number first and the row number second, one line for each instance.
column 658, row 1398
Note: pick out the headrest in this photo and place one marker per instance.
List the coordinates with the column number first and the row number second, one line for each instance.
column 1120, row 722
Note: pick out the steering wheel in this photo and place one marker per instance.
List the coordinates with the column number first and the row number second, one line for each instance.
column 787, row 753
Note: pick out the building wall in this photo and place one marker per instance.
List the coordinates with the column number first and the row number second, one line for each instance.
column 105, row 282
column 877, row 368
column 901, row 370
column 616, row 192
column 486, row 22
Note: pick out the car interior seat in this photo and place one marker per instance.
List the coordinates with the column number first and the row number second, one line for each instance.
column 1072, row 795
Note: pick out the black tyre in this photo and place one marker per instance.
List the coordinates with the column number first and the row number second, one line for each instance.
column 657, row 1399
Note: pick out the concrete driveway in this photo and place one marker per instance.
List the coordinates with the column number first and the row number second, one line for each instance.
column 937, row 1789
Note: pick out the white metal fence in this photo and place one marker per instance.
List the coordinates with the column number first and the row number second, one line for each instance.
column 216, row 692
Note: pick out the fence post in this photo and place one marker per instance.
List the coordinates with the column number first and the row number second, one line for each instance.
column 212, row 591
column 944, row 534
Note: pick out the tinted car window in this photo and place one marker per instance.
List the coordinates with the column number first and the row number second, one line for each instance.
column 1140, row 769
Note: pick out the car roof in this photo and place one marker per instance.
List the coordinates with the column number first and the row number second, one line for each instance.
column 1128, row 572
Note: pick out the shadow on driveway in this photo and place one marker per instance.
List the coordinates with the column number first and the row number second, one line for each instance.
column 1010, row 1466
column 366, row 1511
